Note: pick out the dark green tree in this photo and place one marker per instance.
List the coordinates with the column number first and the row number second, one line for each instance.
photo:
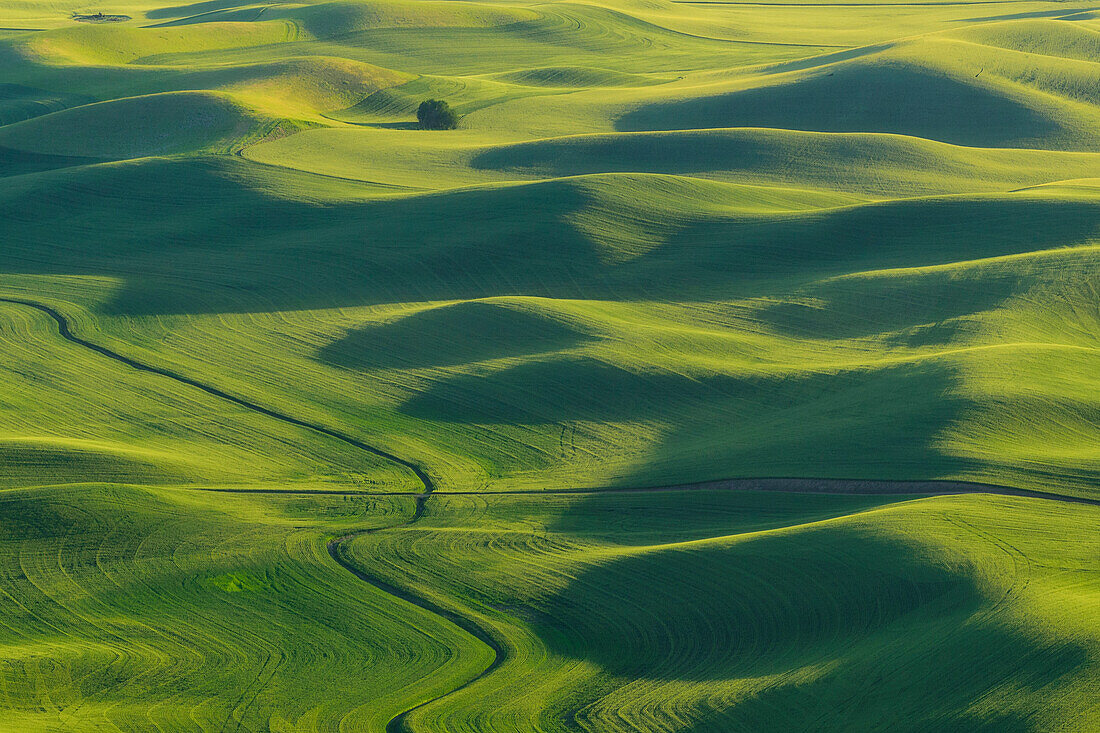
column 435, row 114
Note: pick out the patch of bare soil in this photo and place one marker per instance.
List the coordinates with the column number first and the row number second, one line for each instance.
column 99, row 18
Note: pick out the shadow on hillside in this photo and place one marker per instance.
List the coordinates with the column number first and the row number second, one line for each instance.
column 870, row 424
column 20, row 162
column 760, row 607
column 883, row 98
column 207, row 236
column 634, row 518
column 880, row 632
column 565, row 389
column 390, row 125
column 19, row 102
column 454, row 334
column 1061, row 14
column 923, row 683
column 184, row 11
column 918, row 309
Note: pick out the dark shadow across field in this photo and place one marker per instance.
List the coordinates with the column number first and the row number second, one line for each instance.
column 875, row 424
column 921, row 309
column 1060, row 14
column 768, row 604
column 251, row 251
column 883, row 98
column 825, row 598
column 918, row 686
column 21, row 162
column 661, row 516
column 184, row 11
column 453, row 334
column 19, row 102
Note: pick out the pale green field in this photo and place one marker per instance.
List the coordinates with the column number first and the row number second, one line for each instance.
column 670, row 242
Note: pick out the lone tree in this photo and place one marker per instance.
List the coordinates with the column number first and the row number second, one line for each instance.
column 435, row 114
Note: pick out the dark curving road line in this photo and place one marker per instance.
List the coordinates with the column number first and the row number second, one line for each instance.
column 336, row 545
column 339, row 554
column 66, row 332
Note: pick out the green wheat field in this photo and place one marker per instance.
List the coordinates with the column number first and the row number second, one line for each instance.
column 731, row 367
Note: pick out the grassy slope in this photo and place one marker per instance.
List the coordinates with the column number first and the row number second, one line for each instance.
column 72, row 416
column 713, row 612
column 136, row 609
column 670, row 242
column 133, row 607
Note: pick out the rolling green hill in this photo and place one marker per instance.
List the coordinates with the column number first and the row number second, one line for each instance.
column 148, row 608
column 250, row 314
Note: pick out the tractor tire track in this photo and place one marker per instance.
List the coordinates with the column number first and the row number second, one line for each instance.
column 336, row 545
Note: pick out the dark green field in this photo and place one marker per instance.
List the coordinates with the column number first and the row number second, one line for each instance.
column 733, row 366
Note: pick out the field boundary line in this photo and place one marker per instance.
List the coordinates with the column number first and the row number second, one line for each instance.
column 793, row 485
